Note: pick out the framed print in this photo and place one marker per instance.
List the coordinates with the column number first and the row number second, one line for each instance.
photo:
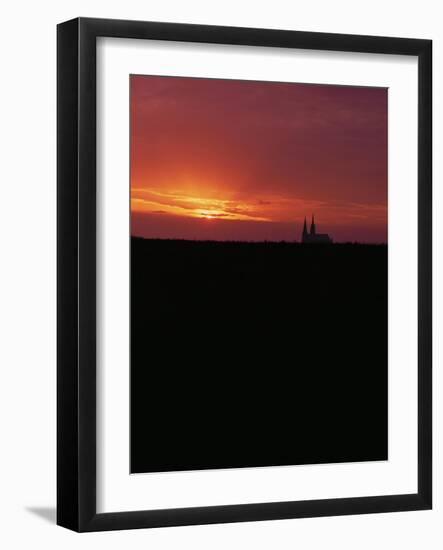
column 244, row 274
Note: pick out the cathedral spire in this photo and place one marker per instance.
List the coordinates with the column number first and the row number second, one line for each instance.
column 304, row 235
column 313, row 225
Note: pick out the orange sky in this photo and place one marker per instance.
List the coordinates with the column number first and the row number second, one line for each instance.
column 238, row 160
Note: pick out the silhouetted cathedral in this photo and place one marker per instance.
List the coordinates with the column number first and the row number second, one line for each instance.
column 313, row 237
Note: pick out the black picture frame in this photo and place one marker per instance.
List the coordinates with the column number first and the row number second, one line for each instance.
column 76, row 266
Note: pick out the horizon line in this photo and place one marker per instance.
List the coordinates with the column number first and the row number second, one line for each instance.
column 282, row 241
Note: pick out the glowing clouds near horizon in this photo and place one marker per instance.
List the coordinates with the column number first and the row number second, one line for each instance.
column 283, row 210
column 180, row 204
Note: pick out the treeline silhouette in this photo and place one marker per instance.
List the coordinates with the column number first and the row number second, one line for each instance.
column 255, row 354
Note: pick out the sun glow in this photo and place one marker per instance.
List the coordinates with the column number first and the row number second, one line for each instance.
column 187, row 205
column 210, row 214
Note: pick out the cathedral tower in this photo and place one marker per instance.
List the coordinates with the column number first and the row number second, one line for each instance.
column 305, row 232
column 312, row 226
column 313, row 237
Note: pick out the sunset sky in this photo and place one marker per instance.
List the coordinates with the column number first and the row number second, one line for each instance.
column 239, row 160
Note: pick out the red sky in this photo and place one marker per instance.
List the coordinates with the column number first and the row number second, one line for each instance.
column 240, row 160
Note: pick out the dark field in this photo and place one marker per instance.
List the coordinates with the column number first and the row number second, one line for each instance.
column 257, row 354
